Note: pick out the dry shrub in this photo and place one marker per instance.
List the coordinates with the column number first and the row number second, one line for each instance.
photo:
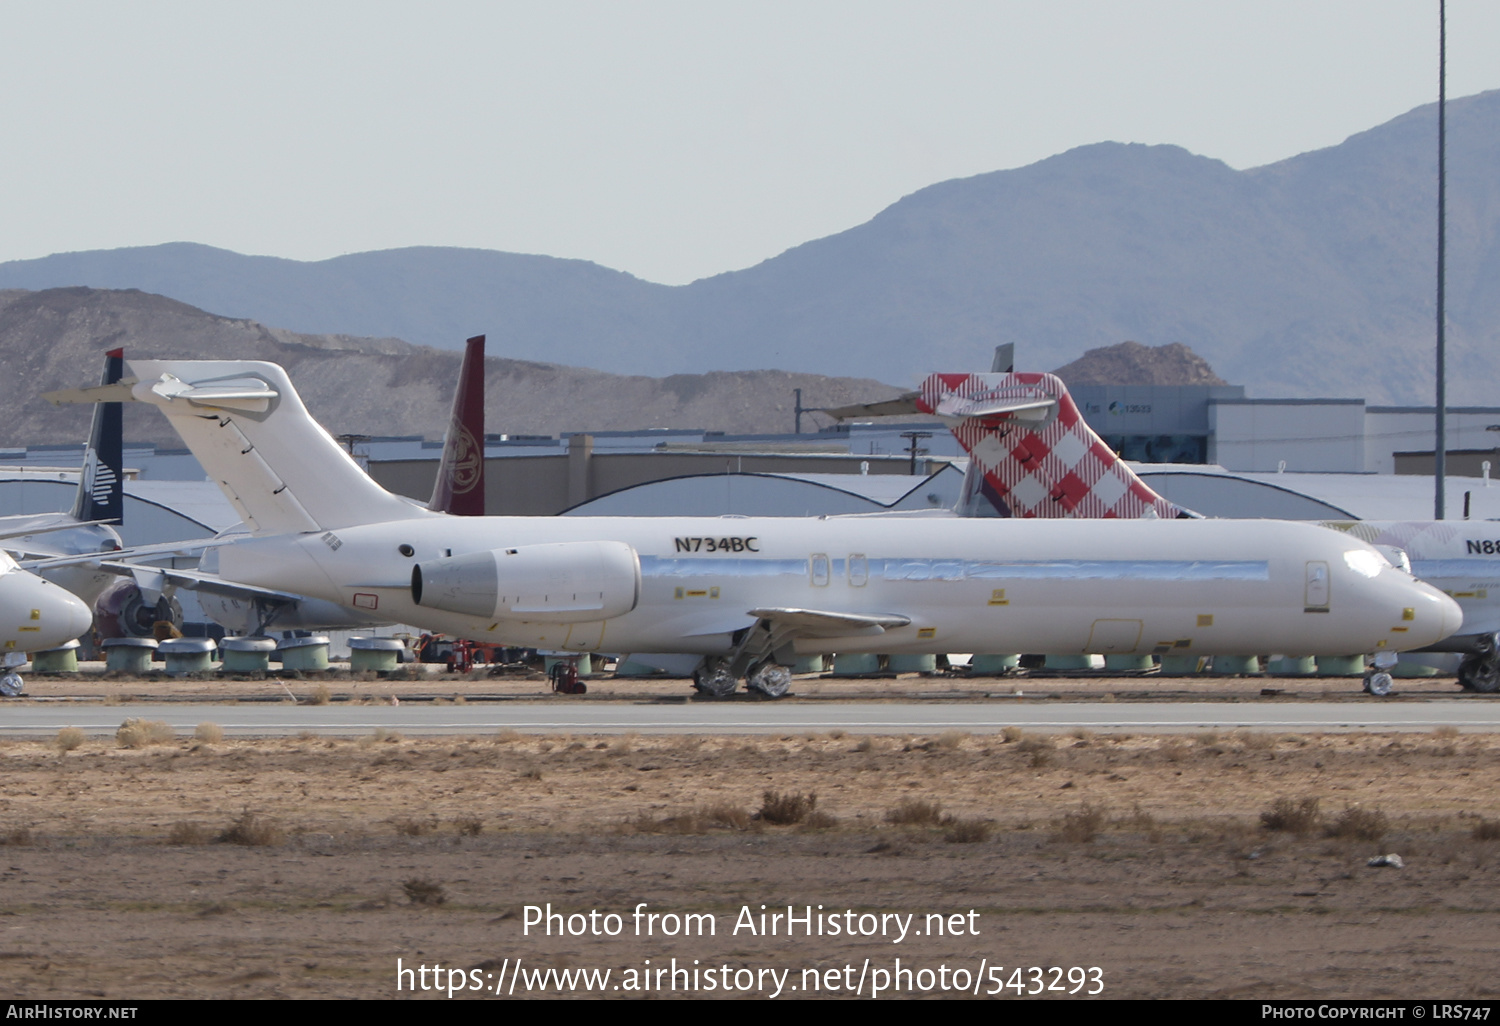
column 253, row 831
column 509, row 737
column 915, row 812
column 421, row 891
column 1487, row 830
column 1255, row 741
column 966, row 831
column 1082, row 825
column 184, row 832
column 20, row 837
column 836, row 734
column 1447, row 731
column 69, row 738
column 786, row 809
column 469, row 826
column 1175, row 751
column 1038, row 749
column 819, row 821
column 950, row 740
column 210, row 733
column 722, row 814
column 139, row 733
column 1012, row 734
column 1295, row 817
column 530, row 773
column 1359, row 824
column 320, row 696
column 408, row 827
column 682, row 823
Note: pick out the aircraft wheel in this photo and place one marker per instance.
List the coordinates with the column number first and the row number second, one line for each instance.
column 11, row 685
column 1378, row 684
column 714, row 679
column 1479, row 673
column 771, row 680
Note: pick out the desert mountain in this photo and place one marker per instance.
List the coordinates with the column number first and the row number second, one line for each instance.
column 1131, row 363
column 1311, row 276
column 377, row 386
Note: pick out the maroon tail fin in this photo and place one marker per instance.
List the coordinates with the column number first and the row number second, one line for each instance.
column 460, row 480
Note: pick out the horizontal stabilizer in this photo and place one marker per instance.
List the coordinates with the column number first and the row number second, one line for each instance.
column 1021, row 408
column 815, row 623
column 119, row 392
column 250, row 394
column 901, row 406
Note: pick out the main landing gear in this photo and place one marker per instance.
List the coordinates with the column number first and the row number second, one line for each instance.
column 1480, row 670
column 715, row 678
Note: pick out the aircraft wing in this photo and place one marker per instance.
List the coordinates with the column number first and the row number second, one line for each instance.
column 154, row 579
column 814, row 623
column 118, row 556
column 24, row 524
column 901, row 406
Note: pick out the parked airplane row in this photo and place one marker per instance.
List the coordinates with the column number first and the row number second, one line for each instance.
column 733, row 598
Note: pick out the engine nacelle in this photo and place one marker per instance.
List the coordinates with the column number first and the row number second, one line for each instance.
column 560, row 582
column 123, row 612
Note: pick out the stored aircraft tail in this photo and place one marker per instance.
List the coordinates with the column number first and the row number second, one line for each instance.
column 101, row 485
column 459, row 488
column 243, row 420
column 1032, row 453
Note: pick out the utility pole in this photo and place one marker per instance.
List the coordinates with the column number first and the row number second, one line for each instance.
column 1440, row 447
column 915, row 437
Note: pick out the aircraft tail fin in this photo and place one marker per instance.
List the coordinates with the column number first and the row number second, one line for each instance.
column 1032, row 453
column 101, row 486
column 243, row 420
column 459, row 488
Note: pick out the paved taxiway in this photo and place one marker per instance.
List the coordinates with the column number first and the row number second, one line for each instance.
column 563, row 717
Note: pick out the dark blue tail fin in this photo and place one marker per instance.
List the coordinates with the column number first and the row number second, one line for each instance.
column 101, row 486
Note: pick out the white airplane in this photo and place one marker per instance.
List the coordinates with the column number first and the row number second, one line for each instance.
column 746, row 596
column 34, row 615
column 1033, row 455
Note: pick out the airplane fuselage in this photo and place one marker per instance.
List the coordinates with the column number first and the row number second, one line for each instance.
column 1058, row 586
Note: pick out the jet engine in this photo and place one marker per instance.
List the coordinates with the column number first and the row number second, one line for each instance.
column 123, row 612
column 560, row 582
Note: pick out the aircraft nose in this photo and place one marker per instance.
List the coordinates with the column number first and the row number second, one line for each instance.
column 57, row 615
column 1437, row 616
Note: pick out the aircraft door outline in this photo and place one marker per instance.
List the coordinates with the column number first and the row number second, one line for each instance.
column 819, row 569
column 1317, row 587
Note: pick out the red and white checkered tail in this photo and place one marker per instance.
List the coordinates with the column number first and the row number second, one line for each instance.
column 1035, row 455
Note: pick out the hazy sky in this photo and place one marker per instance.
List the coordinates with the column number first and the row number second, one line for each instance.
column 671, row 140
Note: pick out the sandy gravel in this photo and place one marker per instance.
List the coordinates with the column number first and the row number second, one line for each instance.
column 1143, row 856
